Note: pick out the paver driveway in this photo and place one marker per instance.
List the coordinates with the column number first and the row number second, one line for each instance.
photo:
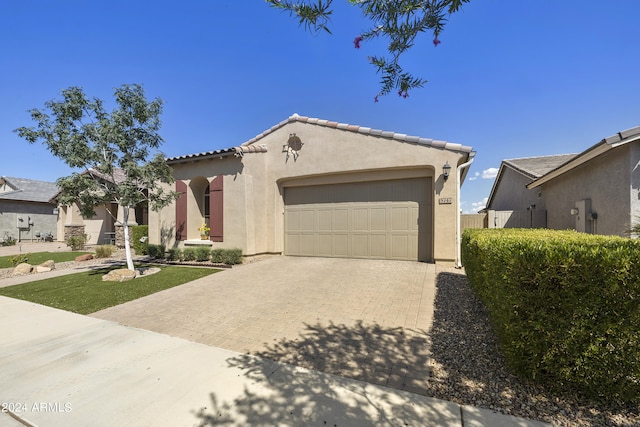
column 363, row 319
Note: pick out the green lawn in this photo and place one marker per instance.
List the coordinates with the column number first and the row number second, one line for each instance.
column 86, row 292
column 40, row 257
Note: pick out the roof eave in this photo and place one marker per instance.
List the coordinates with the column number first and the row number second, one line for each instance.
column 598, row 149
column 450, row 146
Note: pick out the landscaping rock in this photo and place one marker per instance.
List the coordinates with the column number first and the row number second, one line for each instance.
column 22, row 269
column 42, row 269
column 121, row 275
column 50, row 264
column 85, row 257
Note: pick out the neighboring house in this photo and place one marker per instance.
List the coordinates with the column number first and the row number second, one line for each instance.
column 510, row 203
column 313, row 187
column 103, row 228
column 596, row 191
column 25, row 210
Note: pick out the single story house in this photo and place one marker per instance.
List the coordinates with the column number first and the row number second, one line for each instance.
column 103, row 228
column 595, row 191
column 510, row 203
column 26, row 212
column 312, row 187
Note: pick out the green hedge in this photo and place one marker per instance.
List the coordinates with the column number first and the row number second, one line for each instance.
column 174, row 254
column 156, row 251
column 226, row 256
column 137, row 233
column 565, row 306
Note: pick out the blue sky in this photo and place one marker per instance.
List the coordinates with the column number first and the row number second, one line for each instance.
column 510, row 78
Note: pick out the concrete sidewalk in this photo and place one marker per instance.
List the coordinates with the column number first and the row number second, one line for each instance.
column 65, row 369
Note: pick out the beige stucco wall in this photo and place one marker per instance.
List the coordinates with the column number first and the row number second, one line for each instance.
column 512, row 193
column 607, row 182
column 253, row 185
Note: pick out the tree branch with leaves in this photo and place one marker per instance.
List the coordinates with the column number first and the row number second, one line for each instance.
column 115, row 154
column 400, row 22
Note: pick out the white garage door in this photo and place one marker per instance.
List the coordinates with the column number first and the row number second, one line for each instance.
column 380, row 219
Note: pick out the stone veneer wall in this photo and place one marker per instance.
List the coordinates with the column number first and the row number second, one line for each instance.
column 120, row 236
column 73, row 230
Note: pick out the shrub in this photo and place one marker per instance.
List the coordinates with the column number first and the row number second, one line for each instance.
column 19, row 259
column 174, row 254
column 156, row 251
column 188, row 254
column 232, row 256
column 226, row 256
column 564, row 306
column 104, row 251
column 139, row 239
column 8, row 240
column 77, row 242
column 217, row 256
column 203, row 253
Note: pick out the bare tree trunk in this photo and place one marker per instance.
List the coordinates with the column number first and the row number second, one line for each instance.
column 127, row 246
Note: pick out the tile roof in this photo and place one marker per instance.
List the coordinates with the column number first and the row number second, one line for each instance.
column 364, row 130
column 28, row 190
column 225, row 152
column 535, row 167
column 251, row 147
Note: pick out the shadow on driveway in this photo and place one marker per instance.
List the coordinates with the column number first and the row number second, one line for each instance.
column 458, row 360
column 288, row 395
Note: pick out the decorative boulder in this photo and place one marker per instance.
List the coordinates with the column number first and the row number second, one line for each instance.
column 50, row 264
column 42, row 269
column 23, row 268
column 121, row 275
column 85, row 257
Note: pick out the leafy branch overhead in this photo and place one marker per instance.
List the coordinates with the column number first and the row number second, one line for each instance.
column 111, row 150
column 116, row 153
column 398, row 21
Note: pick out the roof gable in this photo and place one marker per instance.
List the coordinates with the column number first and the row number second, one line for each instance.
column 529, row 167
column 252, row 146
column 363, row 130
column 28, row 190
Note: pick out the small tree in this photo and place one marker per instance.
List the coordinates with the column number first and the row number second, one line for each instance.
column 113, row 151
column 399, row 21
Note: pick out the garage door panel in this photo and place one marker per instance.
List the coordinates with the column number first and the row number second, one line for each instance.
column 399, row 218
column 292, row 219
column 307, row 244
column 292, row 242
column 325, row 244
column 341, row 245
column 378, row 218
column 307, row 220
column 360, row 245
column 360, row 219
column 383, row 219
column 325, row 220
column 340, row 219
column 399, row 246
column 378, row 246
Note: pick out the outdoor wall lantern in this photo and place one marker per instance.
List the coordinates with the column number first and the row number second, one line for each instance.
column 445, row 170
column 293, row 146
column 574, row 211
